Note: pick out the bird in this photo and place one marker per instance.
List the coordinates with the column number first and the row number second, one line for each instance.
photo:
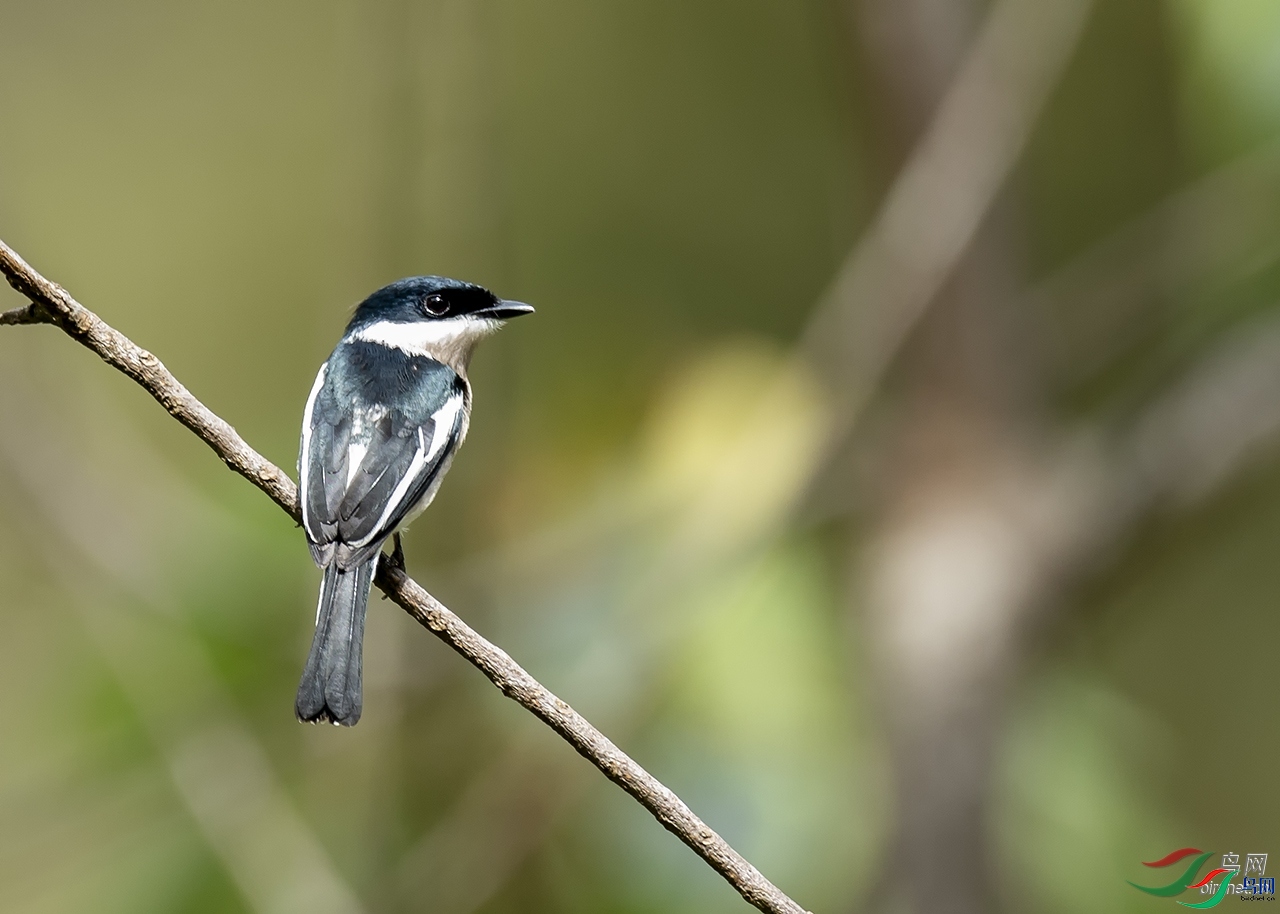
column 386, row 414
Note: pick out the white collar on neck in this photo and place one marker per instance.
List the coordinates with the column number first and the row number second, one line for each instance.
column 434, row 339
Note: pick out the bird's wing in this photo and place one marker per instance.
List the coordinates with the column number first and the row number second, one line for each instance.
column 377, row 434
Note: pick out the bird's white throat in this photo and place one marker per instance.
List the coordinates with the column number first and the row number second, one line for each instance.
column 449, row 341
column 420, row 337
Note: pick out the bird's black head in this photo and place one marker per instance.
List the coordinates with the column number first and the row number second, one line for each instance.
column 434, row 298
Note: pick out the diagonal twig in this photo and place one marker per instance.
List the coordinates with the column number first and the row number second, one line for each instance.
column 28, row 314
column 53, row 304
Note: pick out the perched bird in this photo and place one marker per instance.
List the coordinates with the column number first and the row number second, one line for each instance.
column 385, row 416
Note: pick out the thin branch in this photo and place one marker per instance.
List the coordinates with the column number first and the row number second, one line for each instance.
column 119, row 351
column 28, row 314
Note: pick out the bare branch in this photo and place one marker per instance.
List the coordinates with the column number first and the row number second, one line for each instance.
column 119, row 351
column 28, row 314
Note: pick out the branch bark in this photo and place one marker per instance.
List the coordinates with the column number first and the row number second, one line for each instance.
column 52, row 304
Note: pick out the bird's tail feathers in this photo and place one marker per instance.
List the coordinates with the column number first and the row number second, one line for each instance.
column 330, row 690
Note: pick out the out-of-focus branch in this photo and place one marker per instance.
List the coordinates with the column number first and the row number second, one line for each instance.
column 955, row 561
column 1219, row 417
column 1209, row 426
column 56, row 306
column 1100, row 303
column 502, row 817
column 1097, row 487
column 220, row 771
column 941, row 196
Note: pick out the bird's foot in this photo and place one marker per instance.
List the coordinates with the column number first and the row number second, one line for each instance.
column 397, row 552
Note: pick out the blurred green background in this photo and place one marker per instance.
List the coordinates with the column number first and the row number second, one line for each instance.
column 985, row 648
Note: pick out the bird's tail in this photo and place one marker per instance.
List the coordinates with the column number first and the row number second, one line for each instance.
column 330, row 689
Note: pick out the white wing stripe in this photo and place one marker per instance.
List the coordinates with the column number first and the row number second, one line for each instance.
column 355, row 457
column 305, row 460
column 445, row 418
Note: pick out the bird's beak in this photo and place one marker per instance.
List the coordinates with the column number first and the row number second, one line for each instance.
column 505, row 310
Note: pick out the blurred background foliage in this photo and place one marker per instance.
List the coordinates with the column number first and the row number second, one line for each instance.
column 650, row 513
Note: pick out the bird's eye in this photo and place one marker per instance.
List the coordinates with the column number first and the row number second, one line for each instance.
column 436, row 305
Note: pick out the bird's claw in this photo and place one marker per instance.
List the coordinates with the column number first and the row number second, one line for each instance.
column 397, row 552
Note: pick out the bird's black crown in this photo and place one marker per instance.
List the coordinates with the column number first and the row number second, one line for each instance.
column 425, row 298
